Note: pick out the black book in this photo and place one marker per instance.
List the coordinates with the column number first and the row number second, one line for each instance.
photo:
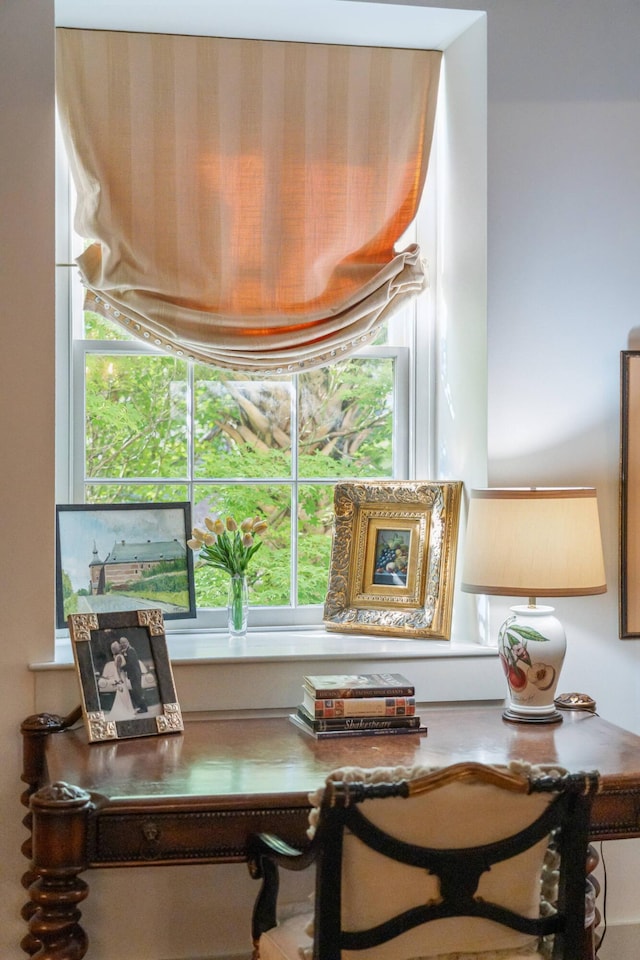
column 377, row 731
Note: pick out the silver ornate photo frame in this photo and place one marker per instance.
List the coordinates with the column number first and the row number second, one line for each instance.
column 393, row 558
column 125, row 675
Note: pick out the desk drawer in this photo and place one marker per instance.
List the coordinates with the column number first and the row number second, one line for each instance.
column 616, row 814
column 188, row 836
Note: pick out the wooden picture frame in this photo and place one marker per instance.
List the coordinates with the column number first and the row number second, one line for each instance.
column 393, row 558
column 629, row 499
column 118, row 556
column 117, row 704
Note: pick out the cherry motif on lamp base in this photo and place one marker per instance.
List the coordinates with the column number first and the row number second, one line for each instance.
column 532, row 646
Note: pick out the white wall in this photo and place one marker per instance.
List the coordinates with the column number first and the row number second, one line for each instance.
column 26, row 405
column 563, row 249
column 564, row 199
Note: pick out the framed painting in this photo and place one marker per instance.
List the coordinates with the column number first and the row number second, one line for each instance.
column 124, row 556
column 125, row 675
column 393, row 558
column 629, row 552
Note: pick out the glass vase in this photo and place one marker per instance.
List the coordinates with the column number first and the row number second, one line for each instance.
column 238, row 606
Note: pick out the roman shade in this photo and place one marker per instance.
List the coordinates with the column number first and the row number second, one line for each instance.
column 243, row 199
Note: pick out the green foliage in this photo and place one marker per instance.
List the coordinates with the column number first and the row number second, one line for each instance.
column 67, row 587
column 178, row 598
column 163, row 583
column 174, row 568
column 138, row 412
column 313, row 569
column 70, row 605
column 135, row 493
column 98, row 328
column 136, row 417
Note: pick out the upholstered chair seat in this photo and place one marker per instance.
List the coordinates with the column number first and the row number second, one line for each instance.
column 465, row 863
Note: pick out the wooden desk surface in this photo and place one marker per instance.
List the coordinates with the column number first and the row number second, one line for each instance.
column 197, row 796
column 258, row 761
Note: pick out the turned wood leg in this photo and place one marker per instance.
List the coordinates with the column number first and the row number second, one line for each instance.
column 35, row 729
column 60, row 814
column 590, row 951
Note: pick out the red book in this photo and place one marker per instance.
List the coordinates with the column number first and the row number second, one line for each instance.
column 327, row 707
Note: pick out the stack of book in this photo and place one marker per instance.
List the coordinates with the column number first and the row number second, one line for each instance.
column 357, row 705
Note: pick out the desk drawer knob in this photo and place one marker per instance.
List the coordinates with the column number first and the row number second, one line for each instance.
column 151, row 840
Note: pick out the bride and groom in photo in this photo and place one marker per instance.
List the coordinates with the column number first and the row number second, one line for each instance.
column 123, row 673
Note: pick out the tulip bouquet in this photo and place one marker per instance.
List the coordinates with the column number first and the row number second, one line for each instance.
column 229, row 546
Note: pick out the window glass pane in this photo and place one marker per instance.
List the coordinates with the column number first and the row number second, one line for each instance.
column 382, row 336
column 99, row 328
column 136, row 416
column 242, row 425
column 315, row 519
column 135, row 493
column 269, row 572
column 346, row 419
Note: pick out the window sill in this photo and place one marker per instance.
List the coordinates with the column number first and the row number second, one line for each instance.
column 264, row 672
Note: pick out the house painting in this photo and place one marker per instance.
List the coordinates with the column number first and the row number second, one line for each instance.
column 127, row 562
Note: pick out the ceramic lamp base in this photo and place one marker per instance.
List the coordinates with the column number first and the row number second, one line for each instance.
column 532, row 645
column 517, row 717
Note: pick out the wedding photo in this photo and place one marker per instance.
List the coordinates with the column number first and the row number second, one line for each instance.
column 125, row 674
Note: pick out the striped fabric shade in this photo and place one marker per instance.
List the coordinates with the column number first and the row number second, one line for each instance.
column 243, row 198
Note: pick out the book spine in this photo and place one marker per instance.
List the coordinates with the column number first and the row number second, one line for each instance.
column 358, row 723
column 357, row 693
column 324, row 709
column 385, row 731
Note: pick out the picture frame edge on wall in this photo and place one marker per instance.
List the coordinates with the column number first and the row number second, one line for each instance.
column 629, row 495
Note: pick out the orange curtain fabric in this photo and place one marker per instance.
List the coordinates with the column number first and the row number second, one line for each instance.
column 243, row 197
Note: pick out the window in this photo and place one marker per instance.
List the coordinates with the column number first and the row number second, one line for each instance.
column 139, row 425
column 445, row 416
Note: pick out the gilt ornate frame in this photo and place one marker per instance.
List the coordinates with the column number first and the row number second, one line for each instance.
column 91, row 638
column 371, row 591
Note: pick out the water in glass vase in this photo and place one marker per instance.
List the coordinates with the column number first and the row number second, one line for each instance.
column 238, row 606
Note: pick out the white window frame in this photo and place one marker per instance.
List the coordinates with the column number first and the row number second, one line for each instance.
column 414, row 386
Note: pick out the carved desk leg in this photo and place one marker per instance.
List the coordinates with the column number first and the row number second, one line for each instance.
column 35, row 729
column 590, row 951
column 60, row 821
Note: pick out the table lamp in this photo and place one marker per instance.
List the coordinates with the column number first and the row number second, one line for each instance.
column 529, row 543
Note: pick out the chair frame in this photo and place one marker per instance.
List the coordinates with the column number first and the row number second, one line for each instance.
column 459, row 870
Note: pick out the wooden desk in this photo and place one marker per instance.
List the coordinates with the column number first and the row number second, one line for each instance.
column 197, row 796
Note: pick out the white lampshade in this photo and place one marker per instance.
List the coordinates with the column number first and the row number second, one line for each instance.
column 530, row 543
column 540, row 542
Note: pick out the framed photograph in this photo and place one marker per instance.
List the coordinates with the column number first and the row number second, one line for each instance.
column 125, row 674
column 629, row 553
column 124, row 556
column 393, row 558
